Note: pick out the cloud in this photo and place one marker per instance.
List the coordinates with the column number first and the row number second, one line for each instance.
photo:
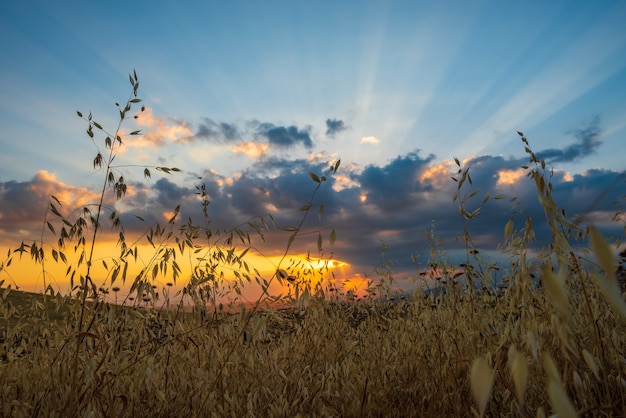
column 393, row 187
column 334, row 126
column 397, row 202
column 507, row 176
column 285, row 136
column 217, row 131
column 275, row 182
column 253, row 150
column 23, row 205
column 588, row 140
column 169, row 195
column 159, row 131
column 369, row 140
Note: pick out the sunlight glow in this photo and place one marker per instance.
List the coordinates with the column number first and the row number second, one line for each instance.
column 357, row 285
column 27, row 275
column 318, row 263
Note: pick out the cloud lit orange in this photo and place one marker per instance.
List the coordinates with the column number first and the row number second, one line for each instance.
column 159, row 131
column 510, row 176
column 252, row 150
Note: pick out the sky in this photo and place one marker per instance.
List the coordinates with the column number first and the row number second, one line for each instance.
column 249, row 97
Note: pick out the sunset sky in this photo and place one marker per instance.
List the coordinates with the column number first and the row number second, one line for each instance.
column 248, row 97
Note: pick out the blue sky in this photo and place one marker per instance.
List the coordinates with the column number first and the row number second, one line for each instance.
column 249, row 96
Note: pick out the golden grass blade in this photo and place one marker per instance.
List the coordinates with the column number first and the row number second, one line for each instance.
column 481, row 379
column 508, row 229
column 591, row 363
column 560, row 402
column 611, row 291
column 558, row 398
column 519, row 372
column 533, row 346
column 603, row 253
column 555, row 289
column 550, row 368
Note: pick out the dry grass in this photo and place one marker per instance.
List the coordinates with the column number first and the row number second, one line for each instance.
column 409, row 358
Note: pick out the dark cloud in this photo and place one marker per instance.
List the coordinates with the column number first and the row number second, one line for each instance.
column 169, row 194
column 399, row 209
column 594, row 190
column 217, row 131
column 278, row 183
column 333, row 126
column 205, row 132
column 394, row 186
column 285, row 136
column 588, row 140
column 278, row 136
column 21, row 203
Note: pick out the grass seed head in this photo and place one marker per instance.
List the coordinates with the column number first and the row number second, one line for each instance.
column 481, row 379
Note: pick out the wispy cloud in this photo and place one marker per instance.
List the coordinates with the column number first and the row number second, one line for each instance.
column 333, row 126
column 587, row 142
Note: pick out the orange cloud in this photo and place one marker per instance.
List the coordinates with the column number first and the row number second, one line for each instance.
column 29, row 200
column 253, row 150
column 159, row 131
column 228, row 181
column 343, row 182
column 437, row 174
column 72, row 197
column 510, row 176
column 322, row 157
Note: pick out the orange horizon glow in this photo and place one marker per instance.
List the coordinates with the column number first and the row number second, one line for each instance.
column 25, row 274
